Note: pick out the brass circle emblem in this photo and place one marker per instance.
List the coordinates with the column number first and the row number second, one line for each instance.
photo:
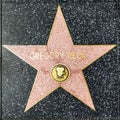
column 60, row 73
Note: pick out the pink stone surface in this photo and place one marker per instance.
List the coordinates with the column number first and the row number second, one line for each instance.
column 77, row 86
column 59, row 41
column 42, row 87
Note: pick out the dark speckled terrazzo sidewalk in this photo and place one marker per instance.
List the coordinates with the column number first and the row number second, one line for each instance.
column 28, row 22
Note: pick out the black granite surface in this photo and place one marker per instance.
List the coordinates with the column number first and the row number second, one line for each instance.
column 28, row 22
column 0, row 60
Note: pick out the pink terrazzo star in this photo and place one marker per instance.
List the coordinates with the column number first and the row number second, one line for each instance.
column 60, row 49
